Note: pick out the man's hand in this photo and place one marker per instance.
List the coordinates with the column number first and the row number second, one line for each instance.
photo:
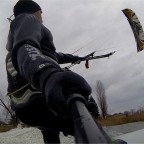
column 93, row 108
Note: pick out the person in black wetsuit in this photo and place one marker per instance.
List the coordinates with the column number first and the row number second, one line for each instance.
column 37, row 85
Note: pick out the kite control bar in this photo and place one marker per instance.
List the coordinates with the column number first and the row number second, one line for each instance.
column 90, row 57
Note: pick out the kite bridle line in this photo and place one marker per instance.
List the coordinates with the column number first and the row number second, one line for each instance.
column 88, row 57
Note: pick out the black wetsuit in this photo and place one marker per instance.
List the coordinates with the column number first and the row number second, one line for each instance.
column 32, row 60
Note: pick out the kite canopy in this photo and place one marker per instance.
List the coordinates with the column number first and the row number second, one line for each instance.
column 136, row 28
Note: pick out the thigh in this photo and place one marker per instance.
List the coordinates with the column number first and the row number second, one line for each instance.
column 37, row 114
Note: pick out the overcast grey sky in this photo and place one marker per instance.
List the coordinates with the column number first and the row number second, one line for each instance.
column 93, row 25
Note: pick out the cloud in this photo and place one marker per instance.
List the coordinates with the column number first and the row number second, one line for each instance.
column 93, row 25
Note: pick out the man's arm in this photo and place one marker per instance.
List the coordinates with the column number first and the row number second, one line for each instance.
column 26, row 55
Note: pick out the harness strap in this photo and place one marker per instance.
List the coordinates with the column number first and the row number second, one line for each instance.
column 9, row 94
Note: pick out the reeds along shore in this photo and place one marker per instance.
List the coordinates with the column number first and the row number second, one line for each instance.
column 122, row 119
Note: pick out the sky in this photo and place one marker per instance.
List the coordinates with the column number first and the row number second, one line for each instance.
column 92, row 25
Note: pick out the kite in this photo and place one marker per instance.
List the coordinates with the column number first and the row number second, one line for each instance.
column 136, row 28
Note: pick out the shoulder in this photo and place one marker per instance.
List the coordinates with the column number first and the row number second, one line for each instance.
column 47, row 33
column 23, row 19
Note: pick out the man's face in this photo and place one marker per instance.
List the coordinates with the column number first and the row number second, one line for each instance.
column 38, row 14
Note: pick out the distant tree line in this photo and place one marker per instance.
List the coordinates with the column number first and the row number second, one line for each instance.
column 101, row 98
